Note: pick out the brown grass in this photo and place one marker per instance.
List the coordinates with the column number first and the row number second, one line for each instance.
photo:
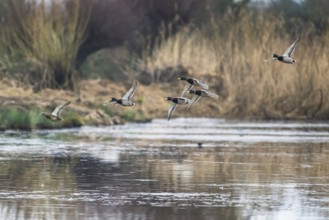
column 231, row 52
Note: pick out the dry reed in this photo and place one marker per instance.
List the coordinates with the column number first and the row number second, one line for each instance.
column 47, row 36
column 232, row 52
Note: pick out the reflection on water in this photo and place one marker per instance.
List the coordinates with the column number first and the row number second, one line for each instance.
column 157, row 171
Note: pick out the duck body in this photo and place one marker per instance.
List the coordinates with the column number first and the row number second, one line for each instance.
column 179, row 100
column 126, row 99
column 55, row 115
column 197, row 94
column 51, row 117
column 286, row 57
column 203, row 93
column 175, row 101
column 192, row 82
column 122, row 102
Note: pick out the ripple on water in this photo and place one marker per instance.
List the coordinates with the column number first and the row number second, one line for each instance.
column 258, row 169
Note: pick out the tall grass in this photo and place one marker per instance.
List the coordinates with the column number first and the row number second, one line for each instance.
column 47, row 36
column 232, row 51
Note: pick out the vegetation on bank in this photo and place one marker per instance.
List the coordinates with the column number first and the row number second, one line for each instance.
column 20, row 118
column 230, row 54
column 42, row 38
column 48, row 44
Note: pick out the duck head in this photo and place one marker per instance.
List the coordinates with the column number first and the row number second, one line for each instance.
column 113, row 100
column 182, row 78
column 275, row 56
column 169, row 98
column 191, row 91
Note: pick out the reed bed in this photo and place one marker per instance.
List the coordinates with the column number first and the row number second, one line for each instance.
column 230, row 53
column 45, row 36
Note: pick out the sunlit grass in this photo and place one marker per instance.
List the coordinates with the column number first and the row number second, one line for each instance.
column 133, row 115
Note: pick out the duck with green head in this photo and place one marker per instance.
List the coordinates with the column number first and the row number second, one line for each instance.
column 197, row 94
column 126, row 99
column 174, row 102
column 192, row 82
column 286, row 57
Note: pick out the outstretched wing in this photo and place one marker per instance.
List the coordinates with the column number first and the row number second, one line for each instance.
column 212, row 95
column 202, row 84
column 194, row 99
column 58, row 110
column 171, row 109
column 131, row 92
column 187, row 87
column 291, row 49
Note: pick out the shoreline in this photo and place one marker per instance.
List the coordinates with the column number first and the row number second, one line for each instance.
column 22, row 106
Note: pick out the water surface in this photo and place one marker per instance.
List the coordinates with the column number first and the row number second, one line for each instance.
column 183, row 169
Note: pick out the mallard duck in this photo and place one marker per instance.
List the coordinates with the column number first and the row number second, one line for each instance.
column 174, row 102
column 197, row 94
column 286, row 57
column 192, row 82
column 55, row 115
column 126, row 99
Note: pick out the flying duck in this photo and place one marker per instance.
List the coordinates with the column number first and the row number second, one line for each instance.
column 197, row 94
column 286, row 57
column 126, row 99
column 174, row 102
column 192, row 82
column 55, row 115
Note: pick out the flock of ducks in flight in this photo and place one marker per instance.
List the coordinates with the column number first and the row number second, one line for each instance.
column 126, row 100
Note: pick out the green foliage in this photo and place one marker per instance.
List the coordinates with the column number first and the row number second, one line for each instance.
column 133, row 115
column 107, row 110
column 72, row 119
column 18, row 118
column 15, row 118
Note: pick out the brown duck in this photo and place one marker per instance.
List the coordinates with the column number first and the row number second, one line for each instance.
column 55, row 115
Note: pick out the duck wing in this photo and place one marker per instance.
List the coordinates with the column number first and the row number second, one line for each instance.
column 187, row 87
column 212, row 95
column 171, row 109
column 194, row 99
column 202, row 84
column 131, row 92
column 58, row 110
column 291, row 49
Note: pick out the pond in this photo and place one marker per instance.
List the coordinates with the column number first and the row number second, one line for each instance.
column 191, row 169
